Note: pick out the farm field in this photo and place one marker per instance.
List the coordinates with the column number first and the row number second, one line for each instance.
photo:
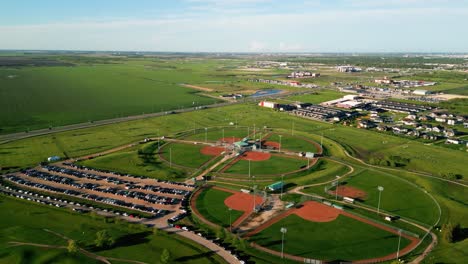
column 54, row 96
column 210, row 204
column 19, row 227
column 342, row 239
column 141, row 161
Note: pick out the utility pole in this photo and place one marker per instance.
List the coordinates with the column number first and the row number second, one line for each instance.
column 399, row 240
column 280, row 136
column 282, row 184
column 380, row 188
column 170, row 157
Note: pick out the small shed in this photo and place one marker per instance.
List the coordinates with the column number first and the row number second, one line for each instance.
column 276, row 186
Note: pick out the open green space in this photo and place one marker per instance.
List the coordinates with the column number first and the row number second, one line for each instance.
column 343, row 239
column 321, row 96
column 398, row 197
column 324, row 170
column 140, row 160
column 187, row 155
column 214, row 134
column 131, row 241
column 293, row 143
column 210, row 204
column 274, row 165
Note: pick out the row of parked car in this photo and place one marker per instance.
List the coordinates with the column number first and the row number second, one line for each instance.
column 81, row 167
column 151, row 198
column 128, row 184
column 147, row 209
column 46, row 187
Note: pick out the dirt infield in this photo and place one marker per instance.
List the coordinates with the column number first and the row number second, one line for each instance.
column 256, row 156
column 317, row 212
column 272, row 144
column 351, row 192
column 230, row 140
column 212, row 151
column 241, row 202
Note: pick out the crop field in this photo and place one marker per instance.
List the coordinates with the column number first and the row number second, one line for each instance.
column 210, row 204
column 141, row 161
column 19, row 227
column 187, row 155
column 40, row 97
column 342, row 239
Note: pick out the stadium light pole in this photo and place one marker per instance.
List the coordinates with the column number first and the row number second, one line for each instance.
column 230, row 220
column 280, row 136
column 254, row 132
column 321, row 143
column 260, row 137
column 282, row 183
column 380, row 188
column 399, row 240
column 206, row 134
column 170, row 157
column 249, row 169
column 254, row 188
column 223, row 135
column 283, row 231
column 292, row 129
column 337, row 185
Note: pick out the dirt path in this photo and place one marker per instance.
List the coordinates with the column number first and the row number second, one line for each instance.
column 200, row 88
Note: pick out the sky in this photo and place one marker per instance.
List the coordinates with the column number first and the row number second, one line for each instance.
column 236, row 25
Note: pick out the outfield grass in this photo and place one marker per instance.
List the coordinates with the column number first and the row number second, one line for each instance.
column 214, row 134
column 274, row 165
column 323, row 171
column 187, row 155
column 293, row 143
column 210, row 204
column 398, row 197
column 343, row 239
column 141, row 160
column 144, row 246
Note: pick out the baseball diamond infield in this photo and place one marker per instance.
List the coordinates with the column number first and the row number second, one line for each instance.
column 256, row 156
column 317, row 212
column 238, row 201
column 349, row 191
column 212, row 151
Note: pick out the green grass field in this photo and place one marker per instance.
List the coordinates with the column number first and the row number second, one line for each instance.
column 140, row 160
column 187, row 155
column 398, row 198
column 39, row 97
column 274, row 165
column 344, row 239
column 210, row 204
column 321, row 96
column 293, row 143
column 214, row 134
column 132, row 241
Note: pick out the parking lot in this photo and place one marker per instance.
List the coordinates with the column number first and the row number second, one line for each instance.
column 162, row 199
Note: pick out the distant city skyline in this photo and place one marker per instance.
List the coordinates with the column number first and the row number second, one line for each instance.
column 236, row 26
